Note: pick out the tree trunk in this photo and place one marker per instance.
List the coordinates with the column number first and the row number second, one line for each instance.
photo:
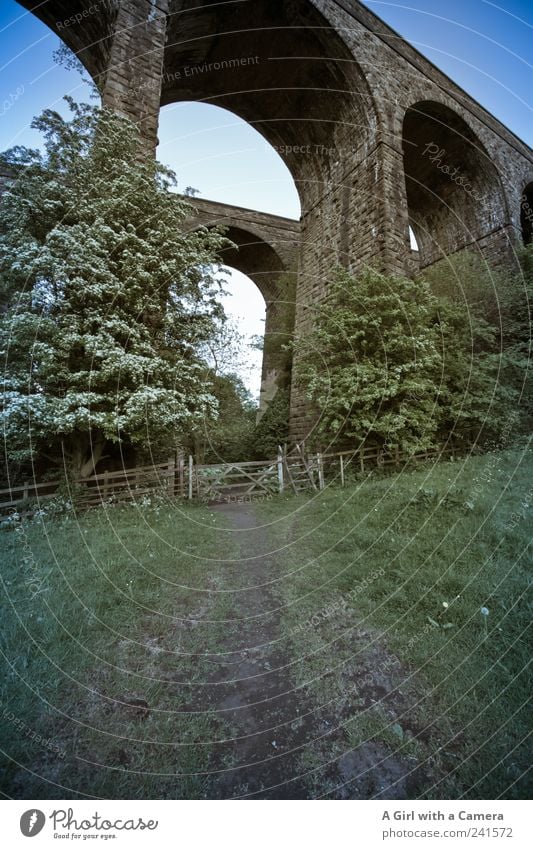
column 84, row 454
column 96, row 449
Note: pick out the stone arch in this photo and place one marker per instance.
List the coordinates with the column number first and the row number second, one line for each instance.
column 526, row 214
column 348, row 104
column 271, row 64
column 455, row 197
column 286, row 69
column 89, row 34
column 276, row 281
column 265, row 248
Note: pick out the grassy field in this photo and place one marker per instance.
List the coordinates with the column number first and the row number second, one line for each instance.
column 408, row 562
column 99, row 622
column 104, row 656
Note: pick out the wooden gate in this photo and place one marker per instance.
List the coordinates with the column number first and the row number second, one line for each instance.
column 234, row 482
column 180, row 477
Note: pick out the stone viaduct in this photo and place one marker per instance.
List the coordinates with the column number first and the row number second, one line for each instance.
column 267, row 251
column 376, row 138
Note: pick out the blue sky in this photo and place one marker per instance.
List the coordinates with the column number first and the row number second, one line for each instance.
column 483, row 46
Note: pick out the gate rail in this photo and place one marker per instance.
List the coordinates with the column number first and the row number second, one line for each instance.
column 180, row 477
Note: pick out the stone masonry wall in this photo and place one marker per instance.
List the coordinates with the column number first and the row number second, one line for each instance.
column 352, row 109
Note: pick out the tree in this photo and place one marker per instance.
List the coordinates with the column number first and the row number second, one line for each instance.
column 227, row 438
column 370, row 362
column 485, row 316
column 473, row 396
column 389, row 362
column 272, row 429
column 106, row 298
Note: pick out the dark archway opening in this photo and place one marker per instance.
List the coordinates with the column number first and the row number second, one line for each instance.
column 454, row 193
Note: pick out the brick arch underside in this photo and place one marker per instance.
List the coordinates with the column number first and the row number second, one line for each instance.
column 90, row 38
column 454, row 193
column 253, row 256
column 301, row 89
column 276, row 281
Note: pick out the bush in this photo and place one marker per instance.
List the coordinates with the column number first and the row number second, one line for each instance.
column 388, row 361
column 272, row 429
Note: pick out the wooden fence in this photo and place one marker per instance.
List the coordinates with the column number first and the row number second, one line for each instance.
column 180, row 477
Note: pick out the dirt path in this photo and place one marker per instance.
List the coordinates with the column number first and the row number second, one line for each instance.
column 284, row 744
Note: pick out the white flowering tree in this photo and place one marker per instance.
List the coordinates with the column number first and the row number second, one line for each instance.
column 106, row 299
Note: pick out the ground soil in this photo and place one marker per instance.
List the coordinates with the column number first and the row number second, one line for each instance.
column 285, row 744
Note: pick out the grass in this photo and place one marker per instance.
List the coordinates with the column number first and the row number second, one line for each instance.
column 382, row 588
column 406, row 563
column 99, row 613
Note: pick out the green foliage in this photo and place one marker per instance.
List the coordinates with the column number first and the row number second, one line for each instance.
column 516, row 301
column 273, row 427
column 390, row 362
column 492, row 313
column 501, row 298
column 371, row 360
column 106, row 300
column 465, row 280
column 229, row 437
column 473, row 399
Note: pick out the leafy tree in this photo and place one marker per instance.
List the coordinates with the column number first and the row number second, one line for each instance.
column 272, row 428
column 390, row 363
column 517, row 304
column 465, row 280
column 227, row 351
column 473, row 397
column 228, row 438
column 371, row 360
column 106, row 299
column 492, row 315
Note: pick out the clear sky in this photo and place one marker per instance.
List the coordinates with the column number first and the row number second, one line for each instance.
column 486, row 47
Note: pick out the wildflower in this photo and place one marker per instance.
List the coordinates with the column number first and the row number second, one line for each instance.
column 485, row 613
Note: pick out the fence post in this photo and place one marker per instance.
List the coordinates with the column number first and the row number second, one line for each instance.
column 341, row 457
column 171, row 475
column 181, row 473
column 280, row 468
column 320, row 471
column 362, row 459
column 191, row 472
column 106, row 484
